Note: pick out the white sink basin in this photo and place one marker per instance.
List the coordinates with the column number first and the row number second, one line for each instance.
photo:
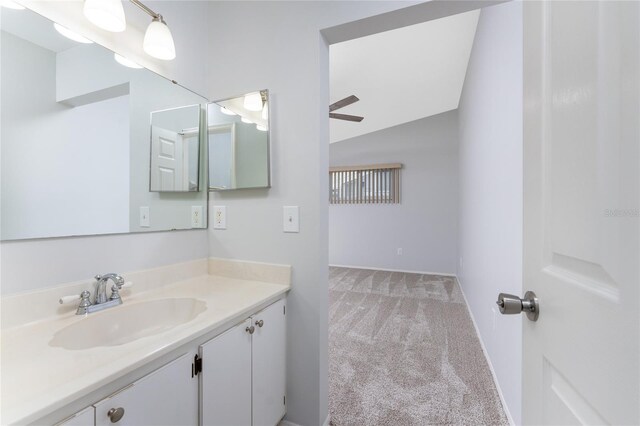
column 126, row 323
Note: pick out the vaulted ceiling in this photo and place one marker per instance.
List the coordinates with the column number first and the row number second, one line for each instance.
column 401, row 75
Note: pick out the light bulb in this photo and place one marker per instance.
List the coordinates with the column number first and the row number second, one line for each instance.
column 227, row 111
column 11, row 5
column 265, row 111
column 246, row 120
column 106, row 14
column 70, row 34
column 253, row 101
column 126, row 62
column 158, row 41
column 261, row 127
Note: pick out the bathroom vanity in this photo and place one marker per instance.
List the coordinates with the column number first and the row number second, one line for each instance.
column 197, row 343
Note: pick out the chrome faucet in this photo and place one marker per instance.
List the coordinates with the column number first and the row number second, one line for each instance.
column 101, row 287
column 101, row 301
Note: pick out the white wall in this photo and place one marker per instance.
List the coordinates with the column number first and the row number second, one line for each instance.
column 42, row 138
column 277, row 45
column 424, row 224
column 34, row 264
column 490, row 225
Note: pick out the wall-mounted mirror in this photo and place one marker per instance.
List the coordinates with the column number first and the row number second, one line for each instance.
column 76, row 138
column 239, row 151
column 175, row 144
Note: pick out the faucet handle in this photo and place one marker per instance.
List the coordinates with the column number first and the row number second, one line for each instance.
column 119, row 285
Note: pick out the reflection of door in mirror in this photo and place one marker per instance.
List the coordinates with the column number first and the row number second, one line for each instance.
column 167, row 163
column 175, row 136
column 222, row 148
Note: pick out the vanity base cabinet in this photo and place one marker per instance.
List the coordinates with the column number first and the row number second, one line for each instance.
column 243, row 376
column 85, row 417
column 168, row 396
column 226, row 378
column 268, row 364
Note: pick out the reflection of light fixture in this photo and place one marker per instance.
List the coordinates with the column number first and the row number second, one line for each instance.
column 106, row 14
column 246, row 120
column 126, row 62
column 253, row 101
column 227, row 111
column 158, row 41
column 11, row 5
column 70, row 34
column 261, row 127
column 265, row 111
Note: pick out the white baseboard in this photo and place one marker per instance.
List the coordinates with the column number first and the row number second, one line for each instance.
column 288, row 423
column 486, row 355
column 371, row 268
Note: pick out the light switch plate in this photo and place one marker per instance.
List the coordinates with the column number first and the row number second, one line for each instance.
column 196, row 216
column 219, row 217
column 145, row 222
column 291, row 219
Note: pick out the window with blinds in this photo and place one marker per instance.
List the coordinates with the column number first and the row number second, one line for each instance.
column 370, row 184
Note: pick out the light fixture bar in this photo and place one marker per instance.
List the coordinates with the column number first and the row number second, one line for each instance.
column 145, row 9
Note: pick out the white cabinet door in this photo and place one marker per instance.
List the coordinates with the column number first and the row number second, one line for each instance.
column 168, row 396
column 582, row 184
column 85, row 417
column 225, row 381
column 269, row 365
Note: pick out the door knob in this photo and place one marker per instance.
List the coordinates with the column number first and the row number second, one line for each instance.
column 510, row 304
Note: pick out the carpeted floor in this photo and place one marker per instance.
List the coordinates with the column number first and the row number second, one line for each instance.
column 403, row 351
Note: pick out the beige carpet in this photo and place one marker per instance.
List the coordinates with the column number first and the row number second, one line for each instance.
column 403, row 351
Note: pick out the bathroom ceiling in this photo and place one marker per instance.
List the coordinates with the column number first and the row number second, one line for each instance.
column 401, row 75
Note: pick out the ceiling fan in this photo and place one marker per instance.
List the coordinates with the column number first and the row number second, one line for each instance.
column 341, row 104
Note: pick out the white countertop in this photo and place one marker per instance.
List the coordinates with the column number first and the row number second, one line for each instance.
column 38, row 379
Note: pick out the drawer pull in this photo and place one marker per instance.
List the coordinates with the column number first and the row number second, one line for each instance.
column 116, row 414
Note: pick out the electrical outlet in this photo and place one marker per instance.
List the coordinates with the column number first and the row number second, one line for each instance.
column 219, row 217
column 399, row 252
column 196, row 216
column 145, row 222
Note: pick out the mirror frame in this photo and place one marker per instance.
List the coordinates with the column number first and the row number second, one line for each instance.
column 269, row 180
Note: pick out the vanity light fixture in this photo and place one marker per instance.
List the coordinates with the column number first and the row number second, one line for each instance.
column 70, row 34
column 106, row 14
column 227, row 111
column 253, row 101
column 261, row 127
column 246, row 120
column 158, row 41
column 11, row 5
column 126, row 62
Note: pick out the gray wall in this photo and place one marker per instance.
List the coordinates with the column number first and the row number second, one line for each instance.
column 490, row 227
column 424, row 224
column 278, row 45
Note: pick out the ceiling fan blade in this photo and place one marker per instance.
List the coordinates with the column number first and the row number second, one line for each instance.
column 346, row 117
column 343, row 102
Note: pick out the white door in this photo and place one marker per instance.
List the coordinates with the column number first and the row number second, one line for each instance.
column 269, row 365
column 582, row 221
column 167, row 396
column 167, row 162
column 225, row 381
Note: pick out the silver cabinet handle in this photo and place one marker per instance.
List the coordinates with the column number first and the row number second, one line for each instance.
column 260, row 323
column 115, row 414
column 510, row 304
column 250, row 329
